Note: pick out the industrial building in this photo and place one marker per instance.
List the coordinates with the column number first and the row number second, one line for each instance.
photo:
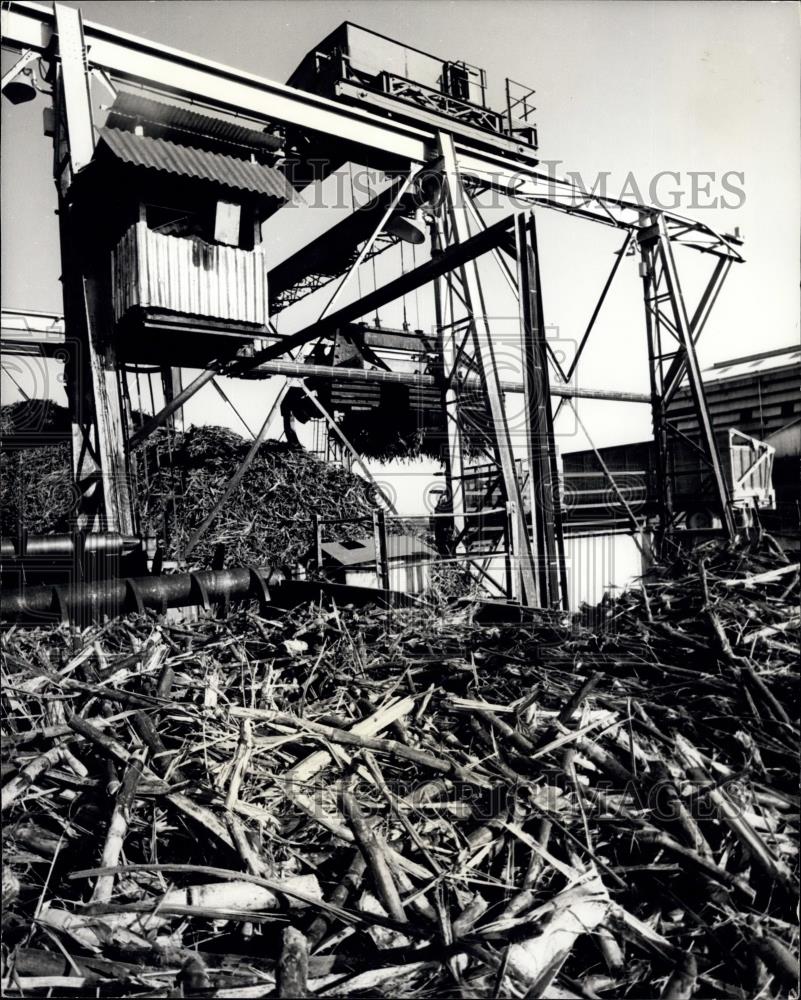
column 758, row 394
column 754, row 403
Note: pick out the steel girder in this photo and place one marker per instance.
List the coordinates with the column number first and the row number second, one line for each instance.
column 100, row 462
column 473, row 347
column 672, row 339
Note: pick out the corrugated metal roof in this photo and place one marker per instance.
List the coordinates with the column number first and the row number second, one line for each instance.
column 201, row 164
column 130, row 105
column 753, row 365
column 362, row 552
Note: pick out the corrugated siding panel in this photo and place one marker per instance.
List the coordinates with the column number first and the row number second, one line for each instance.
column 186, row 161
column 179, row 275
column 135, row 104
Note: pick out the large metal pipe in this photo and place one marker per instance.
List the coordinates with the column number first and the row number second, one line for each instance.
column 25, row 546
column 94, row 600
column 298, row 369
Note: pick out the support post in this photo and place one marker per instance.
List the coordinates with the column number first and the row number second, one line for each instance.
column 92, row 379
column 687, row 343
column 452, row 455
column 512, row 546
column 664, row 492
column 546, row 520
column 171, row 387
column 380, row 544
column 661, row 285
column 485, row 358
column 318, row 541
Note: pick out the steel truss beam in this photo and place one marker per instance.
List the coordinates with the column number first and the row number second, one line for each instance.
column 31, row 26
column 484, row 356
column 538, row 188
column 671, row 350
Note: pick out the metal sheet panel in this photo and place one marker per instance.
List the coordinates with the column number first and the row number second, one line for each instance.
column 134, row 104
column 183, row 276
column 406, row 547
column 747, row 367
column 200, row 164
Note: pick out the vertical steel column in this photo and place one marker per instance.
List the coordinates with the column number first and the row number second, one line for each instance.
column 75, row 83
column 666, row 316
column 94, row 390
column 555, row 492
column 448, row 357
column 512, row 530
column 648, row 272
column 318, row 541
column 171, row 386
column 485, row 357
column 380, row 545
column 546, row 518
column 687, row 345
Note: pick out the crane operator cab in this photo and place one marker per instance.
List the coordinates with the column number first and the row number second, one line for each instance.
column 361, row 67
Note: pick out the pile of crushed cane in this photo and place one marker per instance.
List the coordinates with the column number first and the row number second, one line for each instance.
column 177, row 480
column 36, row 484
column 343, row 802
column 268, row 519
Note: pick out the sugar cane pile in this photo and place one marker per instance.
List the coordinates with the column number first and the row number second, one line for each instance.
column 347, row 802
column 176, row 482
column 268, row 519
column 35, row 482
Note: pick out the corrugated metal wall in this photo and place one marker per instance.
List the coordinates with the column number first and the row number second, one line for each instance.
column 183, row 276
column 756, row 404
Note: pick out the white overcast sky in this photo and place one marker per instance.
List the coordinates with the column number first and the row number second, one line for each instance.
column 629, row 88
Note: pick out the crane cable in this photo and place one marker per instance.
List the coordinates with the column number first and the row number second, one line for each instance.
column 353, row 210
column 403, row 297
column 372, row 254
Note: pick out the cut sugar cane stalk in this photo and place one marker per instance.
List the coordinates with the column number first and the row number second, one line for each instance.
column 374, row 851
column 118, row 827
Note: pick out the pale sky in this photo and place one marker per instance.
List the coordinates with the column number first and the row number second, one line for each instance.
column 628, row 88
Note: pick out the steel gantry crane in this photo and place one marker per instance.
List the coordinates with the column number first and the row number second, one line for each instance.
column 442, row 153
